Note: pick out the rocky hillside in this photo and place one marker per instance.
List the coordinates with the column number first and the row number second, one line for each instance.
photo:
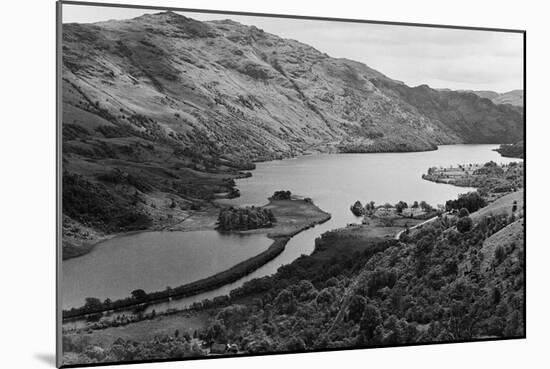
column 251, row 95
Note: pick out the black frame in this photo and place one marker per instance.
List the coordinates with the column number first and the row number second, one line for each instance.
column 59, row 171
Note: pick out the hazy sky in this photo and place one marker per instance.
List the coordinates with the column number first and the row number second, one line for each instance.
column 439, row 57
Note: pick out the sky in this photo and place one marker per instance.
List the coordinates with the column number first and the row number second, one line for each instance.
column 438, row 57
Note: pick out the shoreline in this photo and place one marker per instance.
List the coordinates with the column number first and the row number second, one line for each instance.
column 229, row 275
column 167, row 227
column 78, row 251
column 280, row 234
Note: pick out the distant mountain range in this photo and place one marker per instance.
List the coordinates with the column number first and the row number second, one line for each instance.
column 514, row 97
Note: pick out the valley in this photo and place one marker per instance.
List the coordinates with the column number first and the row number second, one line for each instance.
column 162, row 113
column 208, row 170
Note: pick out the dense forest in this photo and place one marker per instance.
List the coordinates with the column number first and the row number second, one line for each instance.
column 434, row 285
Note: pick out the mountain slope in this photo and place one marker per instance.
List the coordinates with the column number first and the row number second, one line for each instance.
column 258, row 96
column 514, row 97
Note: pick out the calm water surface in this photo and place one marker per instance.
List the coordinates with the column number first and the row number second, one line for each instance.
column 154, row 260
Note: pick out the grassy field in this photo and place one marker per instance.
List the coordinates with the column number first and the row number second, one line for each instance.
column 506, row 237
column 502, row 205
column 357, row 238
column 148, row 329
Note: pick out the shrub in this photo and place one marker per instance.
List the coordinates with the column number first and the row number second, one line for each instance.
column 400, row 206
column 296, row 344
column 356, row 308
column 472, row 201
column 463, row 213
column 281, row 195
column 285, row 302
column 324, row 297
column 500, row 254
column 464, row 224
column 425, row 206
column 357, row 209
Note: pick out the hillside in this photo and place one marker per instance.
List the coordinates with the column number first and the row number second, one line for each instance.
column 514, row 97
column 502, row 206
column 507, row 238
column 257, row 95
column 162, row 112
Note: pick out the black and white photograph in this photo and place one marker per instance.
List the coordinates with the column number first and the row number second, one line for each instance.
column 232, row 184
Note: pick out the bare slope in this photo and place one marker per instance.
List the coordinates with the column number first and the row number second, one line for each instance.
column 503, row 205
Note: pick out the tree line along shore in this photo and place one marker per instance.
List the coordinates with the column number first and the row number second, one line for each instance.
column 288, row 216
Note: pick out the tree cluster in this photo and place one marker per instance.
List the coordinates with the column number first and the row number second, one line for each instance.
column 230, row 219
column 281, row 195
column 471, row 201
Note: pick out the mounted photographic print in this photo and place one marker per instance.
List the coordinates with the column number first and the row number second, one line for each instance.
column 234, row 184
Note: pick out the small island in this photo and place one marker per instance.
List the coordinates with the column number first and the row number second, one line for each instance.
column 231, row 219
